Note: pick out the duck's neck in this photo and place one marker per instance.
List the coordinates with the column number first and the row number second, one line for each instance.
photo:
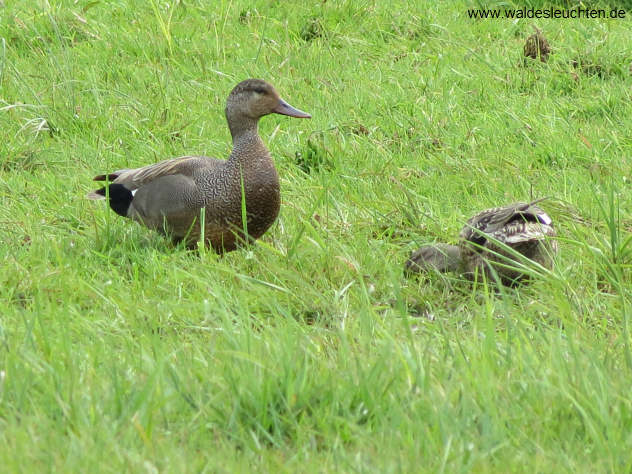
column 247, row 145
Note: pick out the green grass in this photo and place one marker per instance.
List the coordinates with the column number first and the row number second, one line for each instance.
column 311, row 351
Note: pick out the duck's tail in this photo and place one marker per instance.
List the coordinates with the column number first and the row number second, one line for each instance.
column 120, row 198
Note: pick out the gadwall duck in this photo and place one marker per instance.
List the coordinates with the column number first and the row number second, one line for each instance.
column 169, row 196
column 491, row 239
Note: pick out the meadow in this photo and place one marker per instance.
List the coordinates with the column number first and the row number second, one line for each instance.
column 311, row 351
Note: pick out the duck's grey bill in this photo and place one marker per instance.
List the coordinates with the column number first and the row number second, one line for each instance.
column 286, row 109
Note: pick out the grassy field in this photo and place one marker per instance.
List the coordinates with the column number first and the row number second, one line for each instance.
column 311, row 351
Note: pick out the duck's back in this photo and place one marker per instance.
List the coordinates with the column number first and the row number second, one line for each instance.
column 170, row 195
column 524, row 228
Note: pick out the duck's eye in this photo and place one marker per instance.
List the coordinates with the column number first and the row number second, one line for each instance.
column 260, row 90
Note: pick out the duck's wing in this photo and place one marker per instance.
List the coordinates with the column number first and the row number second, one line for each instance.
column 169, row 203
column 135, row 178
column 490, row 221
column 517, row 232
column 516, row 221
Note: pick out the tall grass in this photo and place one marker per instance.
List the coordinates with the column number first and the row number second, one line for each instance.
column 310, row 350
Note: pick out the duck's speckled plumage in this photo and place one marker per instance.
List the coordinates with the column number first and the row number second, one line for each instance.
column 484, row 241
column 522, row 227
column 168, row 196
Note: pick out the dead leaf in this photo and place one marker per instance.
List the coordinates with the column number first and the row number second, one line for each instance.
column 585, row 140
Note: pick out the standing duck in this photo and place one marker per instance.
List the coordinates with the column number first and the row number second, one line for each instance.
column 489, row 240
column 168, row 196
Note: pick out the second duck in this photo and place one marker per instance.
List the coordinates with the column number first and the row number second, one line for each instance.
column 498, row 241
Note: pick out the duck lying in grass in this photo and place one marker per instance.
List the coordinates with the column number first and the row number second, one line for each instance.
column 169, row 196
column 500, row 241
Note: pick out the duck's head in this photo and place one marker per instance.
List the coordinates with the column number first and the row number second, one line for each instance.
column 254, row 98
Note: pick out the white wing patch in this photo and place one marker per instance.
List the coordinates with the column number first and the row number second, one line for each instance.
column 544, row 219
column 522, row 237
